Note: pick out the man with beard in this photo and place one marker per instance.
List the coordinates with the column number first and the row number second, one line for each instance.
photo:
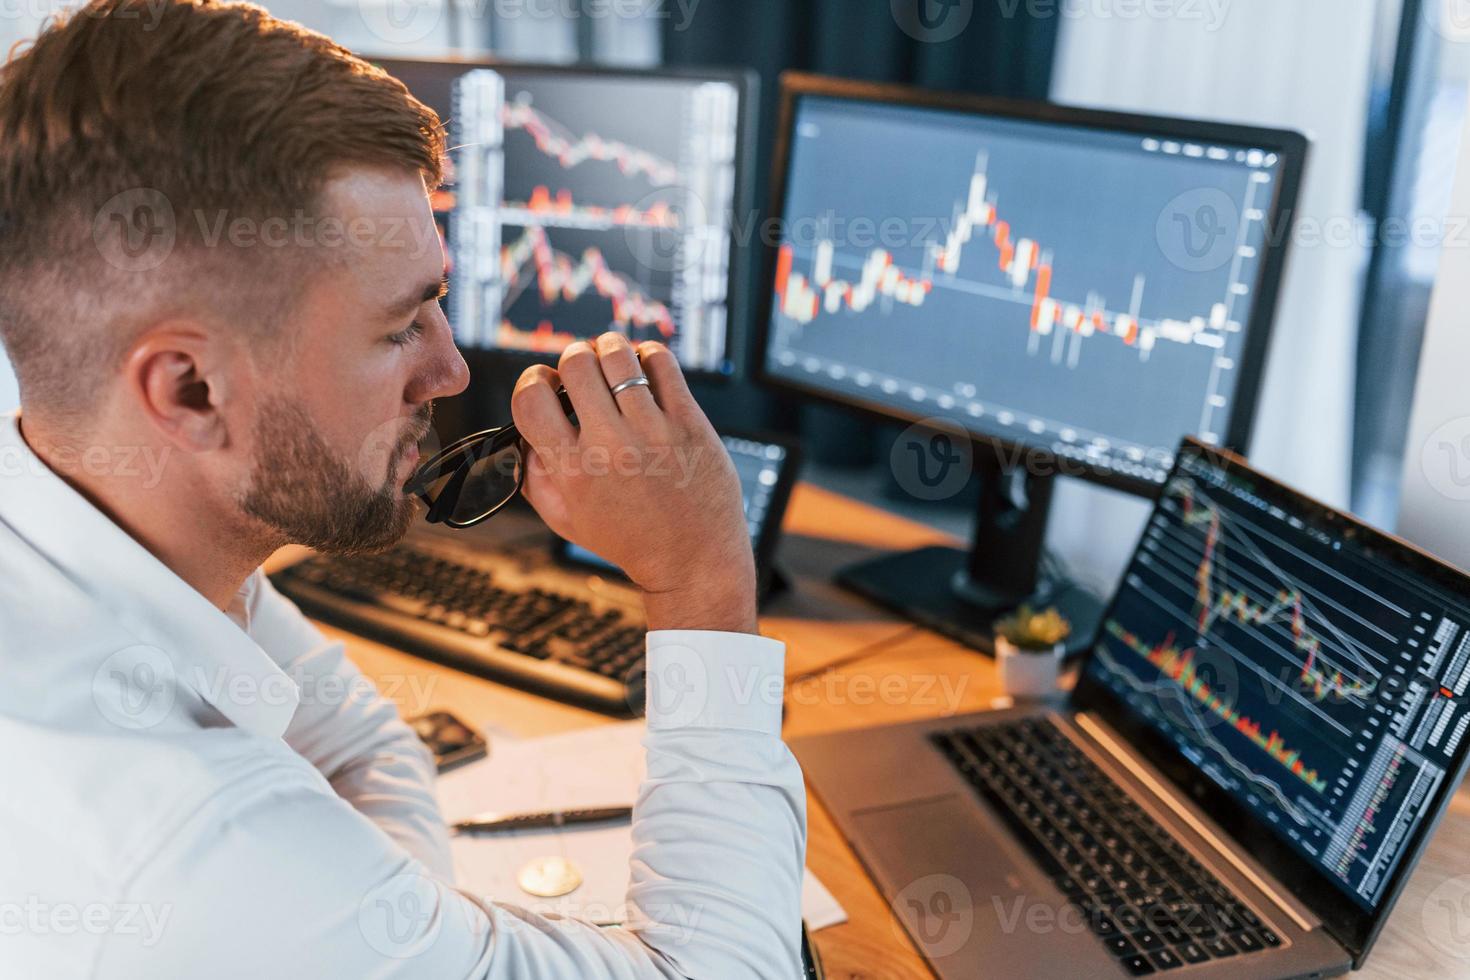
column 219, row 286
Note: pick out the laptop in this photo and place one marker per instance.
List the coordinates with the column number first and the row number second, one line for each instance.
column 1264, row 734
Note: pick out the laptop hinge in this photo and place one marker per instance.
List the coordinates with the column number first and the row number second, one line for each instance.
column 1103, row 735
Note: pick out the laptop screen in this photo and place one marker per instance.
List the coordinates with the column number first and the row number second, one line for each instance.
column 1303, row 671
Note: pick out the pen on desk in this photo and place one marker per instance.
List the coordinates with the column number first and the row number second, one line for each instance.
column 497, row 823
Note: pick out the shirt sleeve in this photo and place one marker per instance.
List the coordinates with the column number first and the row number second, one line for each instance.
column 275, row 877
column 720, row 824
column 352, row 734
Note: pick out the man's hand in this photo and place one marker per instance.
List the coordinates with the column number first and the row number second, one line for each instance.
column 645, row 482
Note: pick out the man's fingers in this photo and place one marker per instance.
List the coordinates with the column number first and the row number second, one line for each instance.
column 545, row 496
column 538, row 412
column 669, row 386
column 619, row 364
column 582, row 376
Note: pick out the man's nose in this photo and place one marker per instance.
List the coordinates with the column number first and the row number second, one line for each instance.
column 445, row 376
column 457, row 375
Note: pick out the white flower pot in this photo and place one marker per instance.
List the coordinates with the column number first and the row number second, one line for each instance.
column 1028, row 673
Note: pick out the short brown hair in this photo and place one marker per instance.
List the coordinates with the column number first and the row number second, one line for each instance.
column 203, row 107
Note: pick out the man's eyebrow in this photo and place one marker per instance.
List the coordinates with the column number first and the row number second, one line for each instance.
column 430, row 292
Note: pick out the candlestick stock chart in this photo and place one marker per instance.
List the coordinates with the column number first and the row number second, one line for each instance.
column 1023, row 279
column 572, row 219
column 1319, row 686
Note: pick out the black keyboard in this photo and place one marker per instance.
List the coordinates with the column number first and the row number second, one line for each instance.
column 1145, row 897
column 457, row 613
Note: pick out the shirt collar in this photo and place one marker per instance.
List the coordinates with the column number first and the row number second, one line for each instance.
column 212, row 649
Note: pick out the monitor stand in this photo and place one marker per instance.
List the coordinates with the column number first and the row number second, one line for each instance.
column 961, row 594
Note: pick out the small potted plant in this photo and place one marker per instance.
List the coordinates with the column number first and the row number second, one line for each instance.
column 1029, row 650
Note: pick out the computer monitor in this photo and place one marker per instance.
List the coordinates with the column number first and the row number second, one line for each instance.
column 1068, row 291
column 1299, row 674
column 587, row 200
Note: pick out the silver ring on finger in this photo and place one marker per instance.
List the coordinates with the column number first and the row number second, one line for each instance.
column 638, row 382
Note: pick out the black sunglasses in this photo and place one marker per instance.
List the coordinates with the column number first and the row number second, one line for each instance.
column 476, row 477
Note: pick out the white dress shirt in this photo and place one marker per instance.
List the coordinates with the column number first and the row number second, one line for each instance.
column 186, row 792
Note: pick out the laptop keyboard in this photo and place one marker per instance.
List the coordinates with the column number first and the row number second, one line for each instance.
column 1145, row 897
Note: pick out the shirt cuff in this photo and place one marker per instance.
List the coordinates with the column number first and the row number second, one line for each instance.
column 709, row 679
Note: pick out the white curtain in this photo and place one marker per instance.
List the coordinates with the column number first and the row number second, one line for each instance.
column 387, row 28
column 22, row 20
column 1436, row 492
column 541, row 31
column 1298, row 64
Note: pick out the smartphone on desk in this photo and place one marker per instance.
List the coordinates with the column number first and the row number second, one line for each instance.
column 452, row 741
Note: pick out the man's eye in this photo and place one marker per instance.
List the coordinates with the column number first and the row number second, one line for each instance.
column 407, row 336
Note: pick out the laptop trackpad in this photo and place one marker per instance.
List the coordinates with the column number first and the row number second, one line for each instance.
column 928, row 856
column 941, row 835
column 956, row 889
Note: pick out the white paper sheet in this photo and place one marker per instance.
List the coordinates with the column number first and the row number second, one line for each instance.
column 818, row 906
column 596, row 767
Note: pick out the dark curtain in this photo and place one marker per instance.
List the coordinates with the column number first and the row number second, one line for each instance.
column 994, row 54
column 1000, row 50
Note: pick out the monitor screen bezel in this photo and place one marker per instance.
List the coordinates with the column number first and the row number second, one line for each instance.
column 1290, row 146
column 1349, row 923
column 740, row 309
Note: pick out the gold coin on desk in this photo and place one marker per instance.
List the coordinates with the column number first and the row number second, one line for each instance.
column 550, row 877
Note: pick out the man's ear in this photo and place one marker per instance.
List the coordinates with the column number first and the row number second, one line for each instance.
column 180, row 378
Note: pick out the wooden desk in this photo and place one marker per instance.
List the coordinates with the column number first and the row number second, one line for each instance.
column 850, row 665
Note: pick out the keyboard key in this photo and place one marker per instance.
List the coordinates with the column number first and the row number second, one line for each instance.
column 1152, row 876
column 1268, row 937
column 1173, row 935
column 1138, row 892
column 1192, row 953
column 1156, row 915
column 1069, row 886
column 1197, row 924
column 1129, row 918
column 1227, row 921
column 1165, row 959
column 1246, row 942
column 1137, row 965
column 1218, row 948
column 1120, row 946
column 1146, row 939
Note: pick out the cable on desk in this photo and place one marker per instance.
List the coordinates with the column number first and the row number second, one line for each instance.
column 861, row 653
